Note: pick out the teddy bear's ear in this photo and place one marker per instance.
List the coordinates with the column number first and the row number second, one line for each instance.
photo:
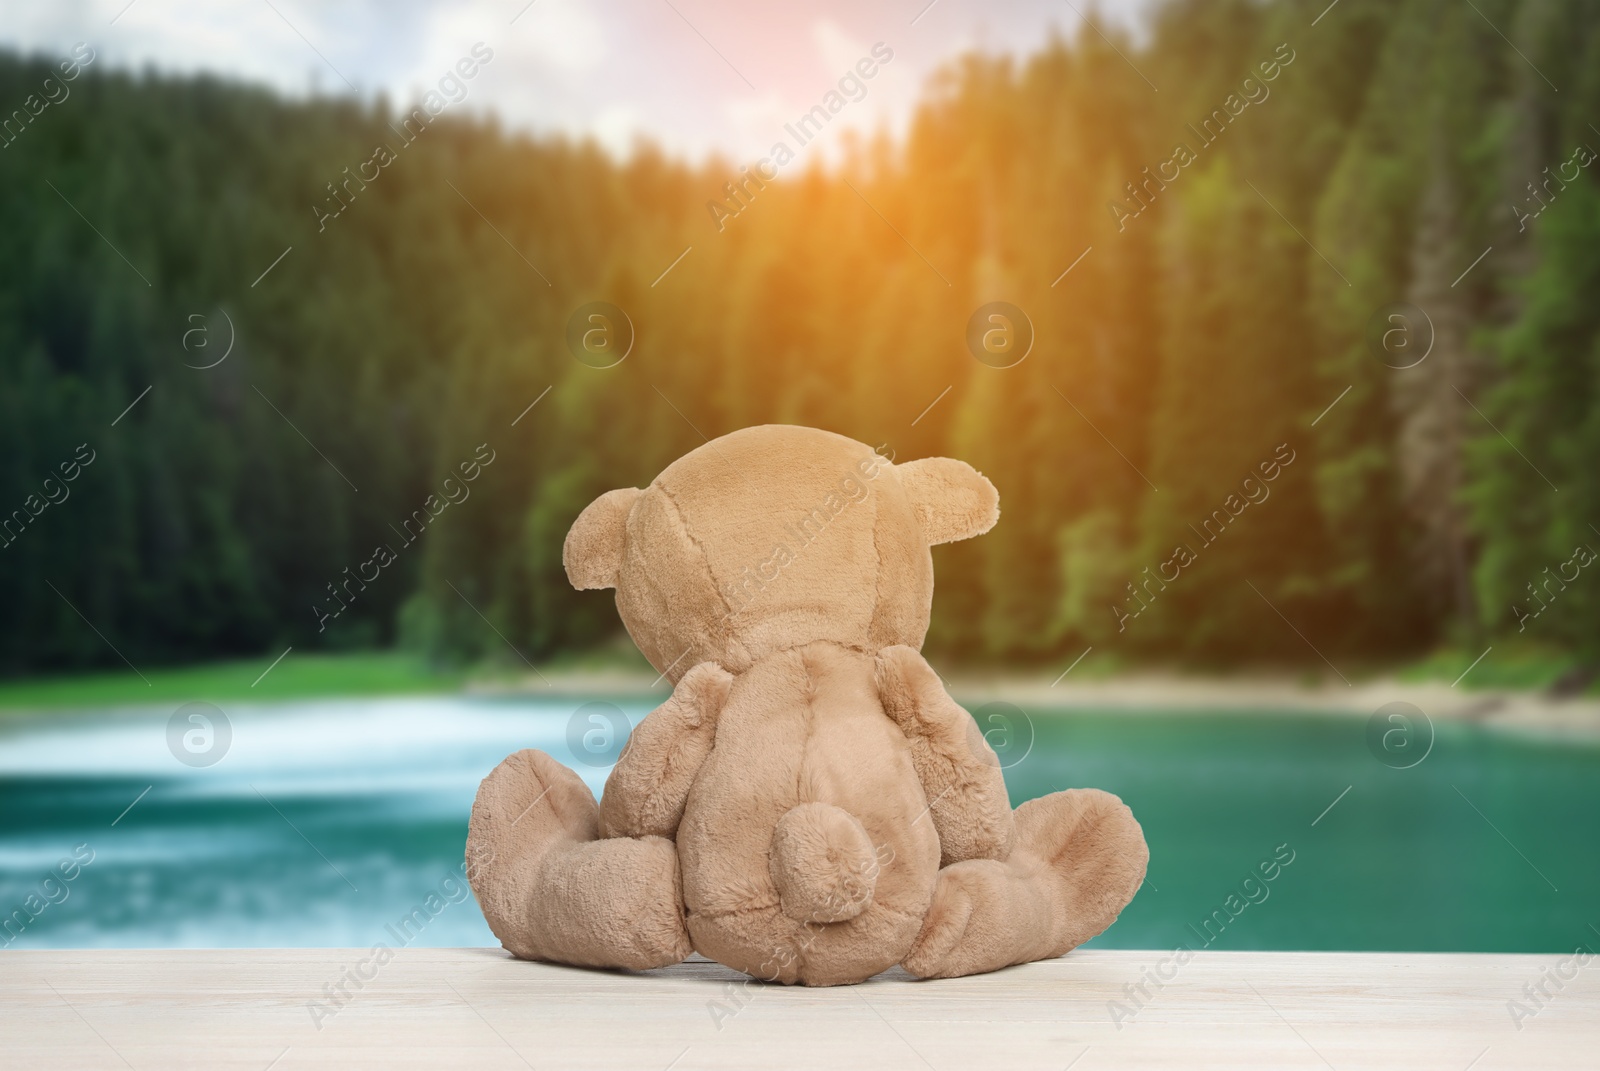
column 592, row 553
column 953, row 500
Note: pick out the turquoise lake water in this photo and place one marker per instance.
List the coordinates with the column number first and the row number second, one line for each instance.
column 325, row 822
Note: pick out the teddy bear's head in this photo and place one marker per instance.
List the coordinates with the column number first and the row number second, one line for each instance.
column 775, row 536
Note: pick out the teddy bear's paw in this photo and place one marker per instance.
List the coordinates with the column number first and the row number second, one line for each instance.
column 934, row 953
column 704, row 690
column 1095, row 853
column 908, row 687
column 527, row 805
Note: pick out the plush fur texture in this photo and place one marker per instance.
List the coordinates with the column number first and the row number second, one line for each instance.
column 809, row 805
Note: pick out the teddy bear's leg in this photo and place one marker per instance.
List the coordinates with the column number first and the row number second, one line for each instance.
column 649, row 785
column 552, row 890
column 958, row 769
column 1080, row 857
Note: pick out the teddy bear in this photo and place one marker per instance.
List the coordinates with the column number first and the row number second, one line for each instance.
column 809, row 805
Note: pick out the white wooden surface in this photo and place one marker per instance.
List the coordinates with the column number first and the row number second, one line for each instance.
column 478, row 1008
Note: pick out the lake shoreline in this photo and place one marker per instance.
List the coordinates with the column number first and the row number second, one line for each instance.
column 1137, row 692
column 373, row 675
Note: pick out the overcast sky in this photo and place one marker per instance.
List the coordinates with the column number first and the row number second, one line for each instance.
column 693, row 75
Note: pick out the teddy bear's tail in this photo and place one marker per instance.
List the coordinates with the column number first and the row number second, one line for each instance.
column 823, row 862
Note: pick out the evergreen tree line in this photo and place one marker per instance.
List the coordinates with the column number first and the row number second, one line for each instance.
column 1231, row 242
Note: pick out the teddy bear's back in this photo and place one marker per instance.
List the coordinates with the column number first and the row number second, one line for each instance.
column 801, row 727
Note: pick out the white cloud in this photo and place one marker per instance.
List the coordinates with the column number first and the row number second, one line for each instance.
column 612, row 69
column 617, row 127
column 839, row 51
column 565, row 35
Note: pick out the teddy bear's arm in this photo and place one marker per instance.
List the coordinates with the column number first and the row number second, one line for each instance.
column 958, row 769
column 648, row 787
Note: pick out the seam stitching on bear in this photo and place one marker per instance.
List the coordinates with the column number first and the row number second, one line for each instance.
column 810, row 694
column 683, row 523
column 877, row 575
column 776, row 906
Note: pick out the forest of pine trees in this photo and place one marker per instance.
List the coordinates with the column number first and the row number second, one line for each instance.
column 1221, row 325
